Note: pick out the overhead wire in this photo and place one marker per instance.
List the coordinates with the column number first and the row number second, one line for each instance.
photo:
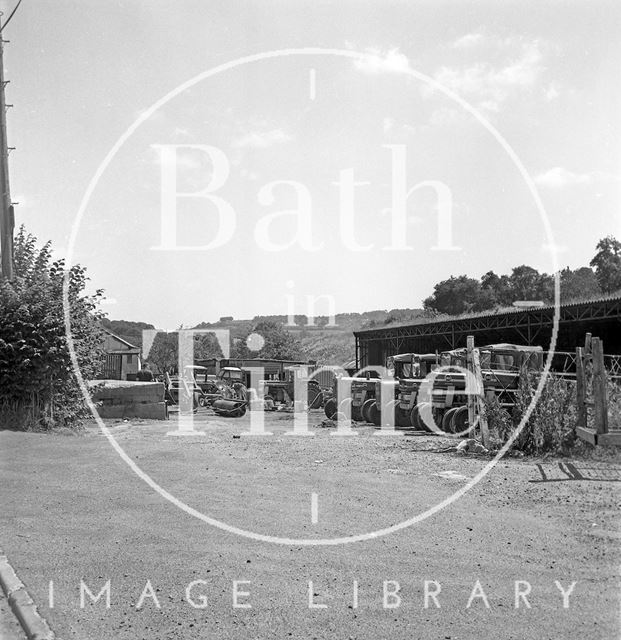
column 10, row 16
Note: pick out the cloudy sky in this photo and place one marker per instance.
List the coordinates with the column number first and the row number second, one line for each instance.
column 356, row 97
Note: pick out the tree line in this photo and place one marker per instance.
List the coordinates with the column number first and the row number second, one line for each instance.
column 463, row 294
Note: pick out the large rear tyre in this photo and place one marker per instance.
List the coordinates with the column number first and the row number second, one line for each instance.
column 459, row 422
column 402, row 419
column 330, row 409
column 365, row 409
column 315, row 397
column 416, row 419
column 375, row 415
column 447, row 420
column 346, row 406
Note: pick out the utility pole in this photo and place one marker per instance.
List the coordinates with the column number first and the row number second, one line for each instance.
column 7, row 217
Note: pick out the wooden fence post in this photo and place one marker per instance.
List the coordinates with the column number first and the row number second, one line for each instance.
column 580, row 388
column 479, row 399
column 587, row 344
column 470, row 400
column 600, row 389
column 476, row 403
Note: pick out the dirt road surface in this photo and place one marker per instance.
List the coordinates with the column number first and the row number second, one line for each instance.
column 73, row 511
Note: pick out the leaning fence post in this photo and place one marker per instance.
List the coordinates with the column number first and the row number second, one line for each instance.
column 600, row 390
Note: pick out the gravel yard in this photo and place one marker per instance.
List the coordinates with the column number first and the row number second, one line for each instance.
column 74, row 511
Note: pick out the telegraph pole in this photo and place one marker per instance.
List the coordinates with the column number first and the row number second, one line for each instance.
column 7, row 217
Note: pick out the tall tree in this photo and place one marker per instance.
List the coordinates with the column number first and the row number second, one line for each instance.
column 278, row 343
column 607, row 264
column 578, row 284
column 526, row 283
column 457, row 295
column 164, row 352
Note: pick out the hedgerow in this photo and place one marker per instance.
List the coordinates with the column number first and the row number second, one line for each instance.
column 38, row 388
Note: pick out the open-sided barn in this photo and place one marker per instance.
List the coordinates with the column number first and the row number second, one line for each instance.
column 531, row 326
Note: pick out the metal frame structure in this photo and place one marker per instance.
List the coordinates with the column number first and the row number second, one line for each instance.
column 531, row 326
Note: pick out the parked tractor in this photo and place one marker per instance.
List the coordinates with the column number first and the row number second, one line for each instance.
column 280, row 394
column 361, row 397
column 501, row 367
column 409, row 371
column 184, row 386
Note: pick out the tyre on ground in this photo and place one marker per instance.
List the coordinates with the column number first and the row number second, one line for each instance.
column 447, row 419
column 416, row 419
column 374, row 414
column 365, row 409
column 459, row 422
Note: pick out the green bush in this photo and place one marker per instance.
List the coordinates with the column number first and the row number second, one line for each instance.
column 38, row 388
column 551, row 425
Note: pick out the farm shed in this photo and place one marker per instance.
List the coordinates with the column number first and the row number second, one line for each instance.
column 122, row 357
column 531, row 326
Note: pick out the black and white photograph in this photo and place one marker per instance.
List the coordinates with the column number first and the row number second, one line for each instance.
column 310, row 319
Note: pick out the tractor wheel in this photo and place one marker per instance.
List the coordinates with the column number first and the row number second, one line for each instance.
column 330, row 409
column 374, row 414
column 416, row 419
column 447, row 420
column 402, row 420
column 345, row 407
column 315, row 397
column 365, row 409
column 459, row 422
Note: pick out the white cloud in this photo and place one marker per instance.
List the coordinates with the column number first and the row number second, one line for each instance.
column 491, row 85
column 552, row 92
column 388, row 124
column 493, row 69
column 558, row 177
column 376, row 61
column 469, row 40
column 261, row 139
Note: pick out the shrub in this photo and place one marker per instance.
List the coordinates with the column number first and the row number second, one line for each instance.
column 37, row 386
column 551, row 425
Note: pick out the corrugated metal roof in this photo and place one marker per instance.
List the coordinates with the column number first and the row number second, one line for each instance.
column 473, row 316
